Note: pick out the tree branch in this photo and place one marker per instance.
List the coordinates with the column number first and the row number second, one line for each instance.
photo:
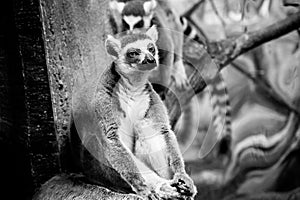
column 223, row 53
column 235, row 47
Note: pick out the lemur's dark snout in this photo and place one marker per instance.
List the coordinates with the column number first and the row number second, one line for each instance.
column 149, row 60
column 148, row 63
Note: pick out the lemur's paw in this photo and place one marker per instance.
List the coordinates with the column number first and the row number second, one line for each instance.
column 166, row 191
column 184, row 185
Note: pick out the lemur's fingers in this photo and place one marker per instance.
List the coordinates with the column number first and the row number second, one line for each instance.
column 166, row 191
column 168, row 188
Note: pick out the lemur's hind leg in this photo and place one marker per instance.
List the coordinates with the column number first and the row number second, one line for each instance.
column 163, row 187
column 157, row 147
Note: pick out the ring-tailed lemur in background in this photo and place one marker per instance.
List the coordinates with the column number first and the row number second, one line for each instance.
column 133, row 15
column 126, row 125
column 220, row 102
column 191, row 33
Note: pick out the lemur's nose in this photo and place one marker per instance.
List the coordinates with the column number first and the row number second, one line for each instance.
column 149, row 59
column 148, row 63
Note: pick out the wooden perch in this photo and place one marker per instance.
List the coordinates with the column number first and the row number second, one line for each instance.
column 72, row 186
column 223, row 53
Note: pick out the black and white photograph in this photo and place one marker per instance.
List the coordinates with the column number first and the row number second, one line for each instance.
column 150, row 99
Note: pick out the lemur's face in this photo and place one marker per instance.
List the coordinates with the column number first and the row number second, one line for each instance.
column 134, row 52
column 136, row 14
column 140, row 54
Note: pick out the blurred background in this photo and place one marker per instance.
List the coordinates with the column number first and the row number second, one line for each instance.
column 263, row 161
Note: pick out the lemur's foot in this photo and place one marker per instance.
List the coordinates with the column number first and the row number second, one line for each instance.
column 179, row 76
column 161, row 190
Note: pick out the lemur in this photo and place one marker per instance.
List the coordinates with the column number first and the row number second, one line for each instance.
column 134, row 15
column 126, row 125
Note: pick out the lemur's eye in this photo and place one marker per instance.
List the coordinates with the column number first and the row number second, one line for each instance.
column 132, row 54
column 125, row 25
column 140, row 24
column 151, row 49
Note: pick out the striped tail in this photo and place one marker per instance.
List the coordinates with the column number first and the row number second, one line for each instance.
column 221, row 110
column 191, row 32
column 217, row 142
column 221, row 114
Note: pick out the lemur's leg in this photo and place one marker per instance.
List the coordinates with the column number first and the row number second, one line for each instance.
column 151, row 159
column 162, row 186
column 164, row 157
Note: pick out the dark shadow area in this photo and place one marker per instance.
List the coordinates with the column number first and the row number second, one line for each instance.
column 16, row 181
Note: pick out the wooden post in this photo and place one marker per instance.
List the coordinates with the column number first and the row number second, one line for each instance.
column 74, row 34
column 38, row 122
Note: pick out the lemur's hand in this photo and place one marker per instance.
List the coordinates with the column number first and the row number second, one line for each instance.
column 184, row 185
column 166, row 191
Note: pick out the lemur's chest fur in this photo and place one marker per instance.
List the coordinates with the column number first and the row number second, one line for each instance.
column 137, row 131
column 134, row 106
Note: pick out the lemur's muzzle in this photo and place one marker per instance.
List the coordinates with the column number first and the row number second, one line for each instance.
column 148, row 63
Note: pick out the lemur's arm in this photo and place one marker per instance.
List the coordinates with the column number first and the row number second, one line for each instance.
column 176, row 160
column 117, row 155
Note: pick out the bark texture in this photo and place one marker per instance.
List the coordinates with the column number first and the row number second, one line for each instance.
column 29, row 154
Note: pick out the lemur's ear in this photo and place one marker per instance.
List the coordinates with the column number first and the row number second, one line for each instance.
column 112, row 46
column 152, row 32
column 119, row 6
column 149, row 6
